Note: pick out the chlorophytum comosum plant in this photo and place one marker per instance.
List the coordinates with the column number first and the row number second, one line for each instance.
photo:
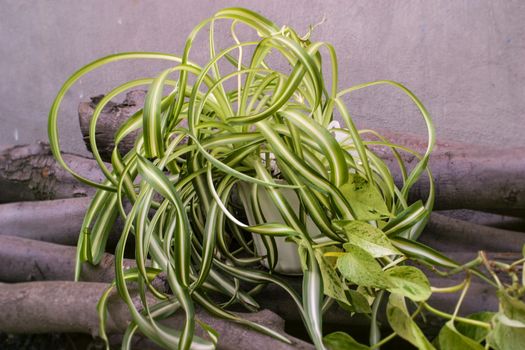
column 257, row 114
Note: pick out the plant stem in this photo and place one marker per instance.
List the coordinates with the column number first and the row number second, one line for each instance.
column 383, row 341
column 451, row 289
column 462, row 296
column 375, row 333
column 489, row 268
column 458, row 318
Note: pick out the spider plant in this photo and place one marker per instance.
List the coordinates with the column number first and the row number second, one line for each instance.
column 256, row 115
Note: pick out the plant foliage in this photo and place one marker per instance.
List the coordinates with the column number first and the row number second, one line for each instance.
column 257, row 113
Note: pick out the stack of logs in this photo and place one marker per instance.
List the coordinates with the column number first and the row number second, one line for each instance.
column 480, row 205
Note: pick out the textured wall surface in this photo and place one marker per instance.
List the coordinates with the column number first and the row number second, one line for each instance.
column 464, row 59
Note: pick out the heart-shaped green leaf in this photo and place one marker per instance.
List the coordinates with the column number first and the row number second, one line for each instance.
column 409, row 281
column 504, row 337
column 368, row 237
column 403, row 324
column 359, row 267
column 342, row 341
column 451, row 339
column 366, row 200
column 509, row 331
column 357, row 303
column 332, row 283
column 512, row 307
column 476, row 333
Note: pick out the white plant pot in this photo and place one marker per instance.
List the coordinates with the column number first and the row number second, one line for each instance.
column 288, row 262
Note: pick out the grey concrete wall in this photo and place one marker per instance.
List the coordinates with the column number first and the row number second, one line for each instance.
column 464, row 59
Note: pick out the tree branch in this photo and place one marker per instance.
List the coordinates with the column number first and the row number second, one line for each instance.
column 112, row 116
column 466, row 176
column 495, row 220
column 449, row 234
column 43, row 307
column 25, row 260
column 56, row 221
column 30, row 172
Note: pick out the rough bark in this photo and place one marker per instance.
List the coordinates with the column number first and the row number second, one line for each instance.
column 56, row 221
column 30, row 172
column 450, row 234
column 41, row 307
column 489, row 180
column 59, row 221
column 511, row 223
column 29, row 260
column 32, row 260
column 112, row 116
column 467, row 176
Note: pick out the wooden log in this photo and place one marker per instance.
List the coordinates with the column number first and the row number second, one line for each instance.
column 495, row 220
column 43, row 307
column 25, row 260
column 466, row 176
column 449, row 234
column 59, row 221
column 56, row 221
column 30, row 172
column 112, row 116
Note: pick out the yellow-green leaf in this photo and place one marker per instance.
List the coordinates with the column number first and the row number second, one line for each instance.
column 509, row 331
column 332, row 283
column 369, row 238
column 451, row 339
column 365, row 199
column 342, row 341
column 474, row 332
column 359, row 267
column 408, row 281
column 404, row 325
